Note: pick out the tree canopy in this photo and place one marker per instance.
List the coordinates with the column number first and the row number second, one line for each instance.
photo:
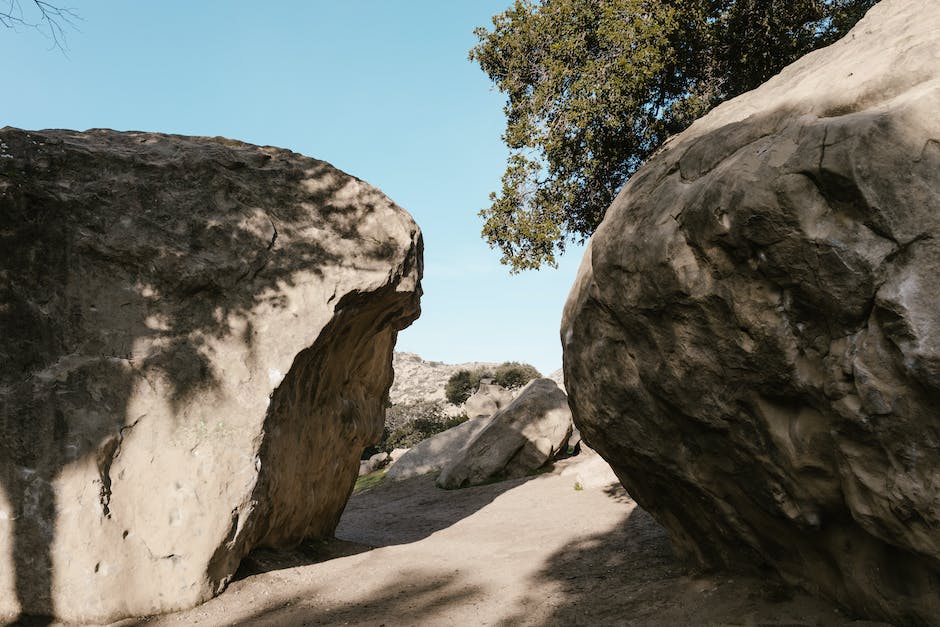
column 594, row 87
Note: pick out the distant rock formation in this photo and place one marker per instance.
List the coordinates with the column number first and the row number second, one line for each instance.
column 433, row 454
column 196, row 343
column 375, row 462
column 558, row 377
column 589, row 471
column 753, row 339
column 487, row 400
column 519, row 438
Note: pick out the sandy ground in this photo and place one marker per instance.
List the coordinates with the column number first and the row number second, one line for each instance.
column 533, row 551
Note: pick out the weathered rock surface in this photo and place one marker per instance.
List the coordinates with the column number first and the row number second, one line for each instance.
column 434, row 453
column 196, row 343
column 488, row 399
column 518, row 439
column 753, row 339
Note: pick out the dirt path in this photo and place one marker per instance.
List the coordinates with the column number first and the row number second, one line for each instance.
column 525, row 552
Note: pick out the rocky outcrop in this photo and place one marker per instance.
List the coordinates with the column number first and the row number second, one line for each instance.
column 418, row 380
column 753, row 339
column 196, row 343
column 518, row 439
column 488, row 399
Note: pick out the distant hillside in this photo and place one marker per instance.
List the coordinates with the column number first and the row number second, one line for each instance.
column 417, row 379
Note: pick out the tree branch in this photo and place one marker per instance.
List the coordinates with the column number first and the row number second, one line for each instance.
column 50, row 20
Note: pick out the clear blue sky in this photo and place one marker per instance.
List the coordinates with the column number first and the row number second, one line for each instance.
column 380, row 88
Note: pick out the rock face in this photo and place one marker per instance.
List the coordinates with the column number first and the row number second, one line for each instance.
column 196, row 342
column 487, row 400
column 518, row 439
column 753, row 339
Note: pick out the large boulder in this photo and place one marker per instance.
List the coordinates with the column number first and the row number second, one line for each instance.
column 434, row 453
column 196, row 343
column 520, row 438
column 753, row 338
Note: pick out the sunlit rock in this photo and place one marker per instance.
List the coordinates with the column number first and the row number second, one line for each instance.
column 196, row 342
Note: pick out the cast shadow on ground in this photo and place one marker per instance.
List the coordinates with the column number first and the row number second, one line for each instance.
column 631, row 576
column 421, row 597
column 375, row 518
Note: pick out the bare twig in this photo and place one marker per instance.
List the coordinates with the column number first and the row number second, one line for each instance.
column 50, row 20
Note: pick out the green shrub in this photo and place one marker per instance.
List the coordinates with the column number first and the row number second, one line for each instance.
column 407, row 424
column 419, row 430
column 401, row 413
column 512, row 374
column 459, row 387
column 463, row 383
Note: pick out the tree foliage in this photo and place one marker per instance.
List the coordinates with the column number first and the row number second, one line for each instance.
column 594, row 87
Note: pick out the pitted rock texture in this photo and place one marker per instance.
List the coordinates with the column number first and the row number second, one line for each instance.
column 753, row 339
column 518, row 439
column 196, row 342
